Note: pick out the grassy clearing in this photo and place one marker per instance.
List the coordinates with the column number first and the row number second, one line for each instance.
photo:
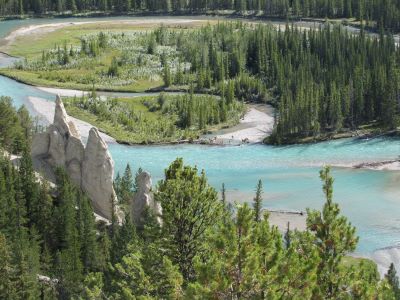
column 350, row 261
column 156, row 119
column 139, row 70
column 41, row 79
column 31, row 45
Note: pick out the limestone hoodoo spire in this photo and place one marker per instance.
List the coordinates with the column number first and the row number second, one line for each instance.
column 144, row 199
column 90, row 168
column 98, row 174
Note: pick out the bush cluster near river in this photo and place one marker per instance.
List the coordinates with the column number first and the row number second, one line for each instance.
column 51, row 246
column 323, row 82
column 156, row 119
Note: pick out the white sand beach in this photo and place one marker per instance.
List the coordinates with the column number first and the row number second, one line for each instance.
column 41, row 29
column 254, row 127
column 62, row 92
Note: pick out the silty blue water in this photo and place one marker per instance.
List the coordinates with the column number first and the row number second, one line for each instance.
column 370, row 199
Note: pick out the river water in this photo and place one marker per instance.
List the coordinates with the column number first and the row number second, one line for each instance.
column 370, row 199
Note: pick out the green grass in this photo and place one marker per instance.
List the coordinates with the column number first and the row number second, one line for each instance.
column 350, row 261
column 37, row 79
column 31, row 47
column 152, row 127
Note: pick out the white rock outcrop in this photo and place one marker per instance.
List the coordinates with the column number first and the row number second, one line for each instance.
column 90, row 168
column 144, row 199
column 98, row 173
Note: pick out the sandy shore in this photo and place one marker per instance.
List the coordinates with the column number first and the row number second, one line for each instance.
column 62, row 92
column 388, row 165
column 384, row 257
column 256, row 124
column 296, row 220
column 42, row 29
column 46, row 108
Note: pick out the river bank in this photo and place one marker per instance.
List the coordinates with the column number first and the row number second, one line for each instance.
column 253, row 127
column 369, row 198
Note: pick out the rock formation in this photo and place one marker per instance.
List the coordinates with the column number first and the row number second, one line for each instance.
column 90, row 168
column 144, row 199
column 98, row 173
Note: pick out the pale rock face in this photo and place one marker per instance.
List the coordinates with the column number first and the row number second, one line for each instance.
column 61, row 117
column 98, row 174
column 56, row 148
column 144, row 199
column 74, row 170
column 40, row 144
column 91, row 169
column 74, row 150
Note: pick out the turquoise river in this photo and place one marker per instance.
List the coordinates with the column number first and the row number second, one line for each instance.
column 370, row 199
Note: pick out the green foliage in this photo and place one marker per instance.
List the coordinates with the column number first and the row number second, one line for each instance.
column 334, row 238
column 125, row 186
column 318, row 91
column 113, row 70
column 245, row 259
column 52, row 248
column 15, row 127
column 257, row 202
column 393, row 280
column 383, row 12
column 156, row 119
column 190, row 207
column 93, row 286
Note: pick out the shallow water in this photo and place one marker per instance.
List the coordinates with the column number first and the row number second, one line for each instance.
column 370, row 199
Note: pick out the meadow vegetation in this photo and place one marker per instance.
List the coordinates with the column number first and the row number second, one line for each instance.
column 323, row 82
column 156, row 119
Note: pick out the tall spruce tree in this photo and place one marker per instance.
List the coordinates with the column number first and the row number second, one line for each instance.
column 190, row 207
column 393, row 280
column 257, row 202
column 334, row 237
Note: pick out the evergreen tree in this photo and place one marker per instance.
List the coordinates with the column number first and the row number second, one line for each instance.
column 190, row 206
column 167, row 75
column 393, row 280
column 6, row 270
column 257, row 202
column 334, row 237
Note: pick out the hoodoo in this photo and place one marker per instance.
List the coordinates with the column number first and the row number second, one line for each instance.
column 143, row 200
column 90, row 168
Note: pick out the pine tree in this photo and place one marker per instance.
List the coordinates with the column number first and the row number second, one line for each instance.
column 257, row 202
column 127, row 186
column 190, row 206
column 88, row 242
column 334, row 237
column 223, row 194
column 393, row 280
column 93, row 286
column 6, row 269
column 167, row 76
column 130, row 280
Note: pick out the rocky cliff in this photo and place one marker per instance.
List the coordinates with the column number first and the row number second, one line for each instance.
column 90, row 168
column 143, row 199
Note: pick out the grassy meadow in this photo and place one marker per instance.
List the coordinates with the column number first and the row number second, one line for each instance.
column 53, row 57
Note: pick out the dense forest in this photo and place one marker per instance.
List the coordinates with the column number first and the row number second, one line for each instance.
column 52, row 247
column 321, row 81
column 385, row 13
